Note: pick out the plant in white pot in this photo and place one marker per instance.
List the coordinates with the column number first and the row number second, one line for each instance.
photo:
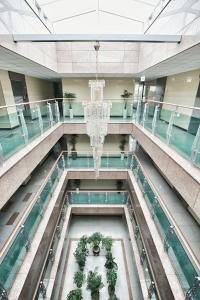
column 125, row 96
column 70, row 96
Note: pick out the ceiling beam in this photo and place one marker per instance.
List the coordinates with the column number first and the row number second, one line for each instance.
column 144, row 38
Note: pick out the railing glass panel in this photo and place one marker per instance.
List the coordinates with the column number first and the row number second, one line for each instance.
column 181, row 262
column 98, row 197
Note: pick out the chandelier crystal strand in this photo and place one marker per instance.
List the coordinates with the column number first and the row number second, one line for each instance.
column 97, row 116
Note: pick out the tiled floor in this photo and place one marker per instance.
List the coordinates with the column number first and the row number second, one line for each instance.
column 110, row 226
column 189, row 228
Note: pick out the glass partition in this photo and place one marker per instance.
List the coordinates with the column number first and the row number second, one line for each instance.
column 184, row 267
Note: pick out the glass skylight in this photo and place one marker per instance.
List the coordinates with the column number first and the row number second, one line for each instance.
column 98, row 16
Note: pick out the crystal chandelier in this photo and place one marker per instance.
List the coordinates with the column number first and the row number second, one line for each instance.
column 97, row 115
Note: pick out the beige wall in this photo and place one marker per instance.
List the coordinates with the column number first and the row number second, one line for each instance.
column 6, row 98
column 38, row 89
column 113, row 87
column 111, row 143
column 181, row 89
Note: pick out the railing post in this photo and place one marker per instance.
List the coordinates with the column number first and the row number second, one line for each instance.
column 58, row 231
column 142, row 256
column 63, row 161
column 50, row 113
column 151, row 290
column 1, row 155
column 168, row 236
column 24, row 127
column 192, row 290
column 24, row 232
column 40, row 118
column 57, row 111
column 145, row 114
column 195, row 146
column 3, row 293
column 137, row 115
column 155, row 116
column 136, row 232
column 51, row 255
column 170, row 125
column 42, row 289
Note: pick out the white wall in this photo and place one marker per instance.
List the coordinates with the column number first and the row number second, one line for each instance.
column 181, row 89
column 8, row 116
column 111, row 143
column 114, row 58
column 39, row 89
column 114, row 87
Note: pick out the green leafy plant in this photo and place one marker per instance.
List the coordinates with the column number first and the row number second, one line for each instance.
column 111, row 276
column 94, row 283
column 95, row 239
column 110, row 261
column 125, row 96
column 123, row 143
column 107, row 243
column 113, row 297
column 82, row 244
column 75, row 295
column 80, row 256
column 70, row 96
column 79, row 279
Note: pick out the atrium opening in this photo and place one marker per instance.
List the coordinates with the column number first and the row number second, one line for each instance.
column 100, row 150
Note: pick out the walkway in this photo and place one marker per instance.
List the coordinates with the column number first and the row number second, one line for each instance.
column 189, row 228
column 11, row 213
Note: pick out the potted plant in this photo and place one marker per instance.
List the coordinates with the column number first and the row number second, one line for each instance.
column 119, row 185
column 122, row 145
column 94, row 284
column 113, row 297
column 95, row 239
column 75, row 295
column 82, row 244
column 80, row 256
column 110, row 262
column 107, row 243
column 125, row 97
column 73, row 142
column 77, row 184
column 79, row 279
column 70, row 96
column 111, row 276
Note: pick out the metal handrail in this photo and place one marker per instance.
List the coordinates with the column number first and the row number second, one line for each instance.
column 31, row 204
column 105, row 99
column 26, row 211
column 146, row 252
column 47, row 255
column 170, row 217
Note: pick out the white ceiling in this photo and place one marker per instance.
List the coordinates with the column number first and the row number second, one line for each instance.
column 185, row 61
column 12, row 61
column 182, row 62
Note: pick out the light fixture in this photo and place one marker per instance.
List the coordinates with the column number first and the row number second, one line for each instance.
column 97, row 115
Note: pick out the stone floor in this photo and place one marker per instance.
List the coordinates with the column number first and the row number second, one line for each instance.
column 127, row 286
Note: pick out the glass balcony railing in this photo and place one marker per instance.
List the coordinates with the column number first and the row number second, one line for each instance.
column 152, row 292
column 186, row 270
column 177, row 125
column 89, row 197
column 23, row 122
column 12, row 258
